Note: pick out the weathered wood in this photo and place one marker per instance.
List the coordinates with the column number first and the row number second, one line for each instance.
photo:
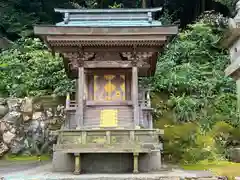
column 107, row 64
column 92, row 115
column 108, row 103
column 117, row 49
column 84, row 137
column 102, row 71
column 135, row 95
column 108, row 137
column 132, row 135
column 112, row 64
column 80, row 107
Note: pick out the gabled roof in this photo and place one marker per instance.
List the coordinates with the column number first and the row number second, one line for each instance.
column 119, row 30
column 109, row 17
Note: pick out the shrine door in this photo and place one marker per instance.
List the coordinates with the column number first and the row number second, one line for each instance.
column 109, row 88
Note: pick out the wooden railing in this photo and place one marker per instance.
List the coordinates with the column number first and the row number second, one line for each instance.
column 114, row 139
column 144, row 102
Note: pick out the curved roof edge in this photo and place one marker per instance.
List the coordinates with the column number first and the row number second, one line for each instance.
column 117, row 10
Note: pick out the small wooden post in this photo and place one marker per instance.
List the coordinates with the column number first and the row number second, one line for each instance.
column 68, row 101
column 80, row 97
column 135, row 162
column 77, row 164
column 108, row 137
column 132, row 136
column 84, row 137
column 148, row 99
column 135, row 95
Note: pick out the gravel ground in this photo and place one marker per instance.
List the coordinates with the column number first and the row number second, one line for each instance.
column 43, row 172
column 8, row 167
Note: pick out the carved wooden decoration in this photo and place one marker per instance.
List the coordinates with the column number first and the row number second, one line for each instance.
column 107, row 56
column 76, row 59
column 138, row 58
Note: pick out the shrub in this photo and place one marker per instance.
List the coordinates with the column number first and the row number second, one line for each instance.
column 29, row 69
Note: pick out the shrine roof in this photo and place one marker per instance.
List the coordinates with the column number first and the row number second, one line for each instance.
column 109, row 17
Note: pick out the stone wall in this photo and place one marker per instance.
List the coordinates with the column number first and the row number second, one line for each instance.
column 27, row 125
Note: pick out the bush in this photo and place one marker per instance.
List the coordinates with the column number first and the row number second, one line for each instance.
column 29, row 69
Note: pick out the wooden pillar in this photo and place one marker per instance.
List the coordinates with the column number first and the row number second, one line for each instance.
column 135, row 162
column 149, row 113
column 80, row 96
column 77, row 169
column 150, row 121
column 135, row 96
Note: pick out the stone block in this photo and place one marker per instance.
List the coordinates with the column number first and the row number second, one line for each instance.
column 3, row 149
column 149, row 162
column 8, row 137
column 3, row 110
column 62, row 162
column 235, row 154
column 27, row 105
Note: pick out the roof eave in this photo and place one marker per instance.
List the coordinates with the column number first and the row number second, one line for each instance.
column 75, row 30
column 116, row 10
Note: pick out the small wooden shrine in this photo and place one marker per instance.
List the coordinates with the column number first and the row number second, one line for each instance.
column 109, row 125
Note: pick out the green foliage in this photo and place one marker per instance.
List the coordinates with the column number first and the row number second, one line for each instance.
column 17, row 17
column 192, row 71
column 186, row 143
column 26, row 158
column 229, row 3
column 31, row 70
column 201, row 99
column 219, row 168
column 115, row 5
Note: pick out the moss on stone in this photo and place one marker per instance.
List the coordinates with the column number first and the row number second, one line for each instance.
column 219, row 168
column 27, row 158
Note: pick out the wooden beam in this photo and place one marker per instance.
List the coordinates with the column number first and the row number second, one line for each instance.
column 149, row 37
column 107, row 64
column 117, row 49
column 135, row 95
column 102, row 71
column 108, row 103
column 111, row 64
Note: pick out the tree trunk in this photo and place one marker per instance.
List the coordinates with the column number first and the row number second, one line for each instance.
column 203, row 6
column 144, row 4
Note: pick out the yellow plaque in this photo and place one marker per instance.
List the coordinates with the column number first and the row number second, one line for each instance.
column 109, row 118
